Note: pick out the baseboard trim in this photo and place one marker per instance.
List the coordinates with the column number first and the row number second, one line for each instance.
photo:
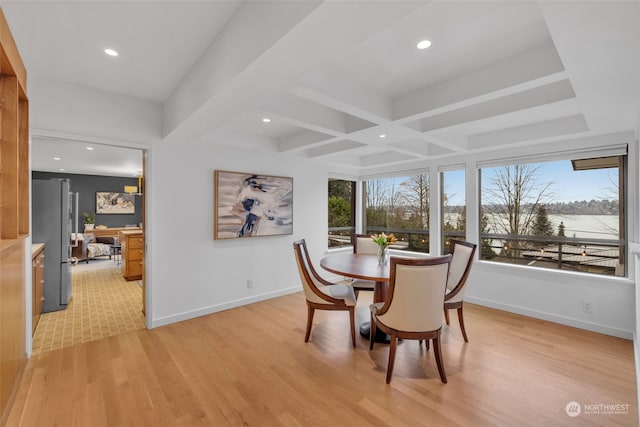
column 568, row 321
column 163, row 321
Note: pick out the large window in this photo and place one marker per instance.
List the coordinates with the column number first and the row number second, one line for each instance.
column 454, row 210
column 567, row 215
column 399, row 205
column 342, row 218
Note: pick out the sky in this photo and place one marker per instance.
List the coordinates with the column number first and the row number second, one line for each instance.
column 567, row 185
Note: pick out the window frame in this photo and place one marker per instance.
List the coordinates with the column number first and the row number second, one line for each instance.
column 426, row 172
column 441, row 181
column 353, row 214
column 623, row 213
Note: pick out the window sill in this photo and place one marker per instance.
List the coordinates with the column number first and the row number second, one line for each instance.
column 541, row 273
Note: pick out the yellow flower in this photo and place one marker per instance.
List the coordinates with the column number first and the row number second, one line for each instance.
column 383, row 240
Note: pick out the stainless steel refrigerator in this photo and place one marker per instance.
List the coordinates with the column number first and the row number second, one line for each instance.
column 53, row 214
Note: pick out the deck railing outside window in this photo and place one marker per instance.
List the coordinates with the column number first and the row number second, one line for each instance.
column 599, row 256
column 408, row 239
column 340, row 237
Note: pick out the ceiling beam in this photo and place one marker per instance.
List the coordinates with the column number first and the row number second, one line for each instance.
column 334, row 147
column 543, row 95
column 305, row 139
column 530, row 132
column 338, row 93
column 536, row 67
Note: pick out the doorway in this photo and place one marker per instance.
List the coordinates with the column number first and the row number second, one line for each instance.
column 105, row 301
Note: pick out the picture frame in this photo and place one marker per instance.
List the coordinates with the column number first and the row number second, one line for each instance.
column 115, row 203
column 251, row 205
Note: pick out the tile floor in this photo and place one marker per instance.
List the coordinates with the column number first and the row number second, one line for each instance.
column 103, row 304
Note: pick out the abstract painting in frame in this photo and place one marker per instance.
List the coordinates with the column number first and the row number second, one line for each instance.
column 115, row 203
column 250, row 205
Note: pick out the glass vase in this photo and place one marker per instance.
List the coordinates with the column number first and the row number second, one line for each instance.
column 382, row 255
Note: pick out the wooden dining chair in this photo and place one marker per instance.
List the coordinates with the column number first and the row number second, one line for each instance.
column 462, row 258
column 363, row 245
column 413, row 306
column 321, row 294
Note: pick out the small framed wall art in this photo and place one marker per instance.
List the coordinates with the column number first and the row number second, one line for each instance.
column 250, row 205
column 115, row 203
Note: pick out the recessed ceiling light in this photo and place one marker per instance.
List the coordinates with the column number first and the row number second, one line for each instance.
column 424, row 44
column 266, row 120
column 61, row 170
column 110, row 52
column 89, row 148
column 56, row 158
column 382, row 135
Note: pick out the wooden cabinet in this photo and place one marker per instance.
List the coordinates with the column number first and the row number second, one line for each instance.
column 132, row 254
column 37, row 283
column 111, row 231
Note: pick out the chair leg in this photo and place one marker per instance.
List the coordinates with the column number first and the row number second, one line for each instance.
column 446, row 315
column 437, row 351
column 461, row 320
column 372, row 332
column 310, row 311
column 352, row 320
column 392, row 355
column 426, row 344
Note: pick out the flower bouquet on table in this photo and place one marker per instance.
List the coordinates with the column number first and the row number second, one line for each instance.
column 383, row 241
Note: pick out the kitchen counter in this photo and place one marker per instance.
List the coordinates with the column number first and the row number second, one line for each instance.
column 35, row 248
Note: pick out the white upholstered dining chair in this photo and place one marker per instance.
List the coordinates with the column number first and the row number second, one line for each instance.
column 321, row 294
column 462, row 258
column 363, row 245
column 413, row 306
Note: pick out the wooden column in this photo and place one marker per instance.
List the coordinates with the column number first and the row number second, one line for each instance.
column 14, row 216
column 9, row 155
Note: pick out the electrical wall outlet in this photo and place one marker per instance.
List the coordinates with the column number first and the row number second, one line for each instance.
column 587, row 306
column 249, row 283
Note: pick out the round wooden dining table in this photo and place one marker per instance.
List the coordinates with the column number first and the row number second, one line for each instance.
column 361, row 267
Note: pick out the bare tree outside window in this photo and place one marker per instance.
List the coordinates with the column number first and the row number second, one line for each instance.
column 553, row 215
column 415, row 192
column 511, row 201
column 399, row 205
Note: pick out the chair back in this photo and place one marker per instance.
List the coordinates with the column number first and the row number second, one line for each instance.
column 362, row 244
column 416, row 294
column 462, row 258
column 310, row 279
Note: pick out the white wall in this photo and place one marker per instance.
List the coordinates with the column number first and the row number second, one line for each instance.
column 556, row 296
column 191, row 273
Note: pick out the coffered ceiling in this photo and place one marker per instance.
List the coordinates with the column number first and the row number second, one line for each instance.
column 335, row 76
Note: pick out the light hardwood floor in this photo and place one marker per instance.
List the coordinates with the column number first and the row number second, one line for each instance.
column 250, row 366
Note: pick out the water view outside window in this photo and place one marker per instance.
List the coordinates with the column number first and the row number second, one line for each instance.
column 565, row 215
column 399, row 205
column 454, row 210
column 342, row 218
